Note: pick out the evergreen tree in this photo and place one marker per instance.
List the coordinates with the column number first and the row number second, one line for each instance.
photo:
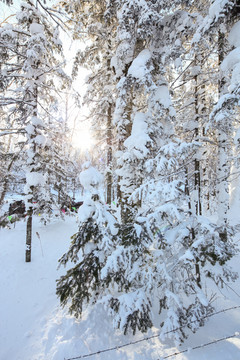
column 33, row 50
column 90, row 247
column 165, row 248
column 222, row 123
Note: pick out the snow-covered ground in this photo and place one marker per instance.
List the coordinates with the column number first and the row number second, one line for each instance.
column 34, row 327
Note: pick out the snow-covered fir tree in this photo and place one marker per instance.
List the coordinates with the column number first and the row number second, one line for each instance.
column 34, row 51
column 165, row 248
column 90, row 248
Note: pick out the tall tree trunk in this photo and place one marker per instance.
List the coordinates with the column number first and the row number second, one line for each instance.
column 223, row 164
column 109, row 177
column 109, row 155
column 205, row 160
column 29, row 236
column 192, row 231
column 32, row 189
column 197, row 167
column 127, row 210
column 197, row 178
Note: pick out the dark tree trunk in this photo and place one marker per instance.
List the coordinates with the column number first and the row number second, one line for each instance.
column 32, row 192
column 197, row 180
column 223, row 162
column 109, row 155
column 29, row 236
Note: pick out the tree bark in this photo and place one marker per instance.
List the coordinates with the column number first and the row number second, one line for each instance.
column 29, row 236
column 197, row 181
column 197, row 169
column 32, row 167
column 109, row 155
column 223, row 164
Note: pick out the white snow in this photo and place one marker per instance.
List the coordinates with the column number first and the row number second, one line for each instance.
column 234, row 35
column 187, row 256
column 56, row 39
column 195, row 70
column 30, row 129
column 138, row 229
column 85, row 211
column 162, row 96
column 216, row 8
column 40, row 140
column 111, row 223
column 36, row 28
column 90, row 178
column 138, row 139
column 35, row 121
column 216, row 11
column 138, row 69
column 231, row 60
column 235, row 80
column 34, row 178
column 34, row 327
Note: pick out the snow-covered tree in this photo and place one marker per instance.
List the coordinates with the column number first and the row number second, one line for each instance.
column 33, row 51
column 90, row 248
column 165, row 249
column 216, row 24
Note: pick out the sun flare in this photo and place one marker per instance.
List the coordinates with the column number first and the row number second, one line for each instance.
column 82, row 139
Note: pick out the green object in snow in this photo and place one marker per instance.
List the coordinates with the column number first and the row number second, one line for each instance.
column 10, row 217
column 74, row 208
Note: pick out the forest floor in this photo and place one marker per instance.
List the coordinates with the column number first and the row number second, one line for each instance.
column 33, row 326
